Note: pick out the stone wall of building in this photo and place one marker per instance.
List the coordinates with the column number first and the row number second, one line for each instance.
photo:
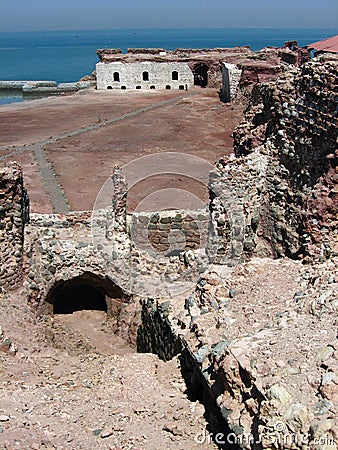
column 170, row 231
column 144, row 75
column 14, row 213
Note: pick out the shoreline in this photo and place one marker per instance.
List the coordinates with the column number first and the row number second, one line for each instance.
column 23, row 90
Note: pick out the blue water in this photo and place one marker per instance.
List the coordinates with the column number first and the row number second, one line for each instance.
column 66, row 56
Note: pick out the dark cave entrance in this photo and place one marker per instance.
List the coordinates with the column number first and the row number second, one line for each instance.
column 76, row 298
column 201, row 75
column 85, row 292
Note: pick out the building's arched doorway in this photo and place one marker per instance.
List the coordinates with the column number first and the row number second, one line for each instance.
column 85, row 292
column 201, row 75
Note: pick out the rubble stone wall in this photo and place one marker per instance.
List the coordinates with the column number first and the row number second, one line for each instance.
column 169, row 230
column 14, row 213
column 291, row 125
column 59, row 248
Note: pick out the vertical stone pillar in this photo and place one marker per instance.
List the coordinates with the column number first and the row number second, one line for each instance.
column 14, row 213
column 231, row 76
column 119, row 200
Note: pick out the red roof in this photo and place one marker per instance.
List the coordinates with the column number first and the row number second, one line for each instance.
column 326, row 45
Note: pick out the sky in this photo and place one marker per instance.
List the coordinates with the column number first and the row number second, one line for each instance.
column 36, row 15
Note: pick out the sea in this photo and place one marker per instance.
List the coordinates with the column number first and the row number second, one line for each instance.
column 67, row 56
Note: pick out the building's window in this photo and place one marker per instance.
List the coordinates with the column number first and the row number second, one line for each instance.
column 138, row 87
column 181, row 87
column 145, row 76
column 174, row 75
column 109, row 87
column 168, row 87
column 116, row 76
column 123, row 87
column 152, row 87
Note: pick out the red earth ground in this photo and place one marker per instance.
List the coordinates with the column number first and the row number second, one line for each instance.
column 83, row 136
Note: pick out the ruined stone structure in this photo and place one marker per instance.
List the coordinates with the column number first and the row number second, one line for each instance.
column 170, row 231
column 284, row 177
column 14, row 213
column 231, row 76
column 222, row 68
column 276, row 197
column 291, row 133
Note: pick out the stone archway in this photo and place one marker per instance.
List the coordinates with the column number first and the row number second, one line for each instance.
column 200, row 72
column 85, row 292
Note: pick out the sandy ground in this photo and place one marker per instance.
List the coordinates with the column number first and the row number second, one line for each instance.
column 84, row 136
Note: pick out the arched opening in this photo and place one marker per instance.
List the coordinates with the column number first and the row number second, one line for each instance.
column 181, row 87
column 145, row 76
column 168, row 87
column 152, row 87
column 116, row 76
column 138, row 87
column 174, row 75
column 109, row 87
column 85, row 292
column 123, row 88
column 201, row 75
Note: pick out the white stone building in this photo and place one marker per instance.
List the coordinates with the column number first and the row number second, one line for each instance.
column 144, row 75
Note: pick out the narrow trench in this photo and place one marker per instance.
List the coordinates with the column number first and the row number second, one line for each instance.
column 197, row 389
column 82, row 298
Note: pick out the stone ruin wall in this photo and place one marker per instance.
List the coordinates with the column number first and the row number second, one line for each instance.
column 109, row 55
column 231, row 76
column 285, row 171
column 14, row 213
column 58, row 248
column 167, row 231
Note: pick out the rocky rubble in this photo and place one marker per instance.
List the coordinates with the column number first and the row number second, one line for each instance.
column 260, row 344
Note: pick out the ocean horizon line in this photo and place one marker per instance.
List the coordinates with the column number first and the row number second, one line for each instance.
column 69, row 30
